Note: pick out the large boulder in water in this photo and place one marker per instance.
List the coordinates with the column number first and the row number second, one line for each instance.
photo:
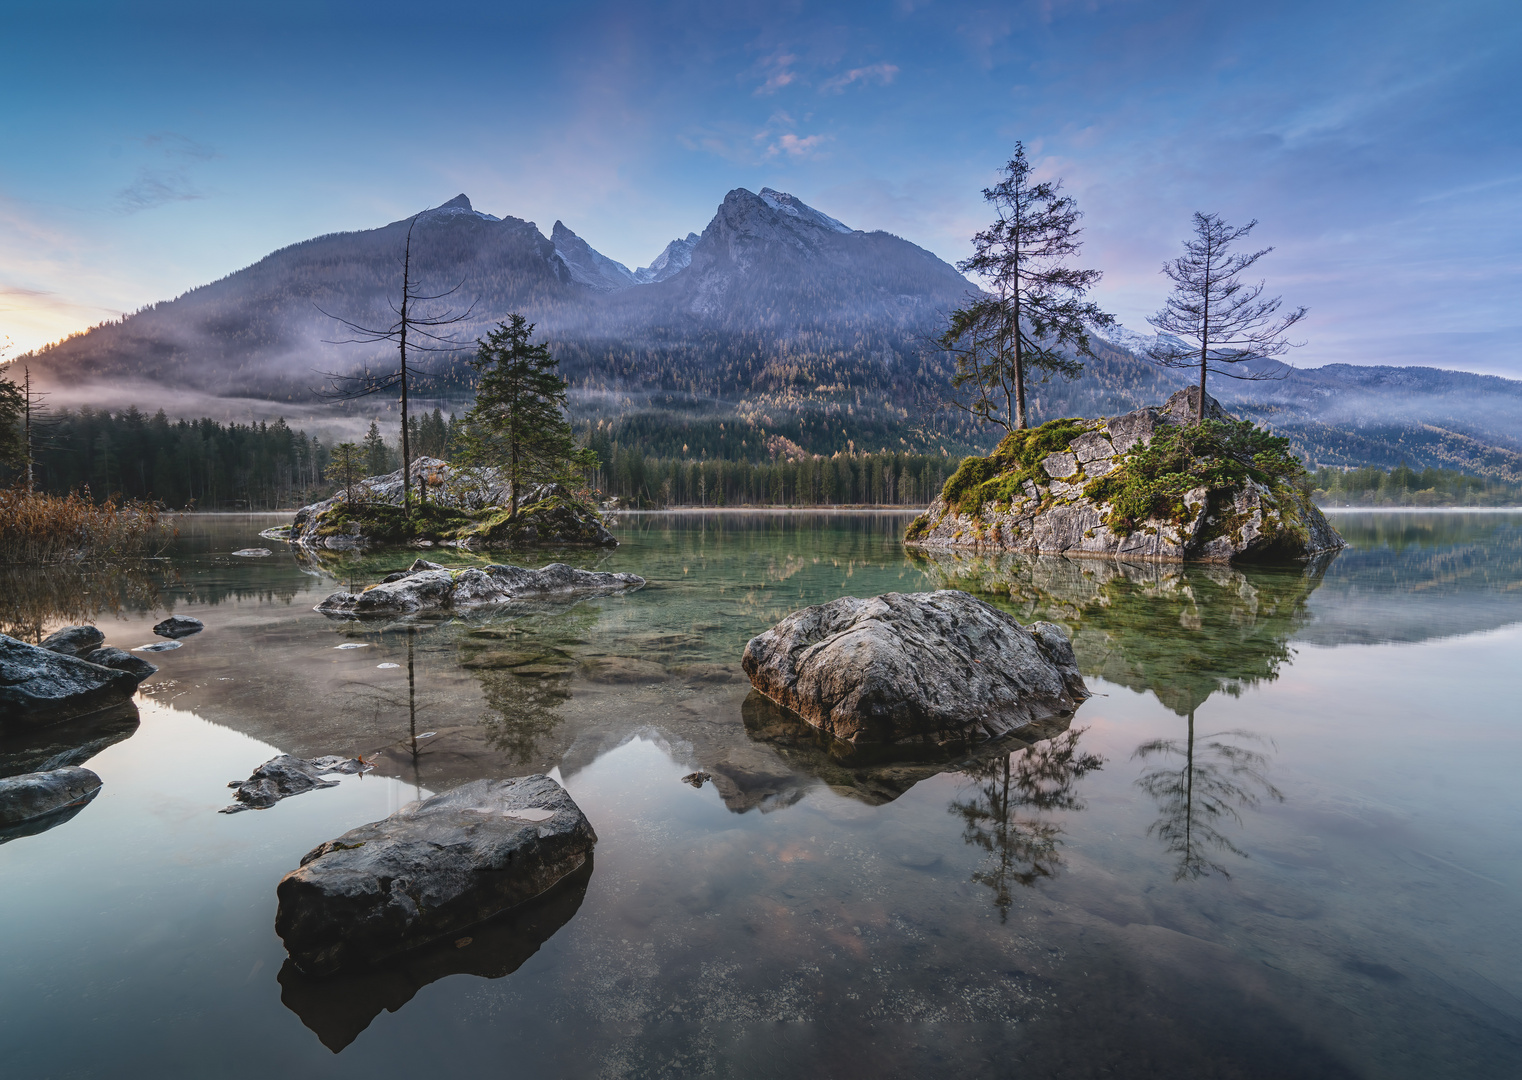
column 431, row 869
column 178, row 626
column 39, row 686
column 426, row 586
column 121, row 660
column 36, row 795
column 905, row 668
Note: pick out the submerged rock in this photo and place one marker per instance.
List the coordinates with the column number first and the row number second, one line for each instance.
column 178, row 626
column 40, row 686
column 122, row 660
column 426, row 586
column 73, row 640
column 38, row 794
column 284, row 776
column 432, row 869
column 929, row 668
column 1057, row 499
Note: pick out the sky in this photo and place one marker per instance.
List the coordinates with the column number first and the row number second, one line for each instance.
column 147, row 148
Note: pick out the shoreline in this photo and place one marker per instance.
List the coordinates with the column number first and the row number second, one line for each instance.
column 857, row 509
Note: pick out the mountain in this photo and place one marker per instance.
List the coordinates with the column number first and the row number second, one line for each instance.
column 777, row 319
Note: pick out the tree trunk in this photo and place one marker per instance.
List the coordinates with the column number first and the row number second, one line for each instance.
column 406, row 446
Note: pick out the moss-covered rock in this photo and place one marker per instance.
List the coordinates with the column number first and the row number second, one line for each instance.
column 1151, row 484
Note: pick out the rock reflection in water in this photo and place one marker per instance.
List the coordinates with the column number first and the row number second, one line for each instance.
column 338, row 1009
column 1003, row 811
column 54, row 746
column 1206, row 781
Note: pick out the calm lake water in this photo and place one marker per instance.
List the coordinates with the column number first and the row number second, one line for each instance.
column 1283, row 839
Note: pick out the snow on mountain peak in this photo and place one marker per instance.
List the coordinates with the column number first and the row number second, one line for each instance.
column 796, row 207
column 458, row 206
column 675, row 258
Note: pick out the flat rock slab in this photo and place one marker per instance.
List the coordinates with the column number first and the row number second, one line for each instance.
column 426, row 586
column 432, row 869
column 253, row 553
column 284, row 776
column 73, row 640
column 35, row 795
column 40, row 686
column 178, row 626
column 905, row 668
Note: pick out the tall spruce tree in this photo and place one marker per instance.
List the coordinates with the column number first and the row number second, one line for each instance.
column 1034, row 316
column 1217, row 321
column 374, row 450
column 518, row 421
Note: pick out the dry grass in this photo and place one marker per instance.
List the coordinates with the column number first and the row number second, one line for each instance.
column 39, row 529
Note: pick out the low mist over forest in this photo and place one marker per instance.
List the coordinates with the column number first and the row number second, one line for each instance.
column 776, row 320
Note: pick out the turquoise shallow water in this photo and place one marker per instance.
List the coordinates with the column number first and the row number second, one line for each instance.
column 1281, row 840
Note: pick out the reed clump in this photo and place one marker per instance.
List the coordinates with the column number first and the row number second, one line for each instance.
column 38, row 529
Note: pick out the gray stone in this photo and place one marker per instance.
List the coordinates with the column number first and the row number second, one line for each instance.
column 1132, row 428
column 178, row 626
column 928, row 668
column 73, row 640
column 253, row 553
column 430, row 870
column 286, row 775
column 35, row 795
column 39, row 686
column 426, row 587
column 1091, row 445
column 1061, row 465
column 122, row 660
column 159, row 646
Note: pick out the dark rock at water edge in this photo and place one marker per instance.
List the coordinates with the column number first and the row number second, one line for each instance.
column 431, row 870
column 179, row 626
column 25, row 748
column 1049, row 509
column 39, row 686
column 340, row 1007
column 286, row 775
column 38, row 794
column 73, row 640
column 904, row 668
column 426, row 586
column 121, row 660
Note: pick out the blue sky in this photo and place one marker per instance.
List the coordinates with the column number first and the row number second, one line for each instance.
column 152, row 147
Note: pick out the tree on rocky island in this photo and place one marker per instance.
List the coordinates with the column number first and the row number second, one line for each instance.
column 518, row 422
column 1035, row 317
column 1217, row 321
column 346, row 467
column 423, row 333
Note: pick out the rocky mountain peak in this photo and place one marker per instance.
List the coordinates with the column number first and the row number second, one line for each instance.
column 459, row 202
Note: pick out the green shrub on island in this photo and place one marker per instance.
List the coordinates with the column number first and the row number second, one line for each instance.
column 1218, row 455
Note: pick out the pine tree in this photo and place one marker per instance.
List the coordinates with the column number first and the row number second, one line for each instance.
column 1222, row 321
column 1035, row 318
column 344, row 469
column 374, row 450
column 518, row 420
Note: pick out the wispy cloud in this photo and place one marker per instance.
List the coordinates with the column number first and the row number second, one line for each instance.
column 779, row 73
column 796, row 146
column 168, row 179
column 881, row 74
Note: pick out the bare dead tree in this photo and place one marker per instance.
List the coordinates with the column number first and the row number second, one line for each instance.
column 419, row 332
column 1221, row 321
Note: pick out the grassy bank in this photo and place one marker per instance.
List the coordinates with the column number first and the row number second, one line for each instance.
column 39, row 529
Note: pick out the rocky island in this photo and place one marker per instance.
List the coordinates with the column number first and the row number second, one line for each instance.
column 1150, row 484
column 464, row 507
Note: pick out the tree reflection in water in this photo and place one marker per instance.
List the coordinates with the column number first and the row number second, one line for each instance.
column 1181, row 632
column 1002, row 814
column 1211, row 779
